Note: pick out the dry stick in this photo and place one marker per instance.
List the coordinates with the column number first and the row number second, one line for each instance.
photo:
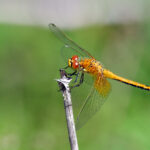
column 64, row 86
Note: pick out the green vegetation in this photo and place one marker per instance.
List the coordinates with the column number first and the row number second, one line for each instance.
column 31, row 109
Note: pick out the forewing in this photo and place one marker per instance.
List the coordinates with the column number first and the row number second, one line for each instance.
column 68, row 42
column 95, row 99
column 67, row 52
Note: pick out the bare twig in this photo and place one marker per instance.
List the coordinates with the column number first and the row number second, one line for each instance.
column 64, row 87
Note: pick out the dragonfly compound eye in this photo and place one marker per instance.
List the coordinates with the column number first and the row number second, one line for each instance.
column 75, row 63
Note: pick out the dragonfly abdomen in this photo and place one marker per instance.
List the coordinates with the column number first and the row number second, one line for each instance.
column 109, row 74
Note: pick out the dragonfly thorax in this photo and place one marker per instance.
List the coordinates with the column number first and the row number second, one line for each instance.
column 73, row 62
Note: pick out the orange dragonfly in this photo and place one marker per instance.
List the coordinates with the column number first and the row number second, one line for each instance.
column 82, row 62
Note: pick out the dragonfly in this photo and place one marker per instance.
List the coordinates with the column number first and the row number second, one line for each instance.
column 83, row 63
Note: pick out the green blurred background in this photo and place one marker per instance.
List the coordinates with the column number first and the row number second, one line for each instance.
column 31, row 108
column 32, row 115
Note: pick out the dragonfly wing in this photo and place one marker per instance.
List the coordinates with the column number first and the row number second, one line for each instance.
column 102, row 85
column 67, row 52
column 68, row 42
column 94, row 101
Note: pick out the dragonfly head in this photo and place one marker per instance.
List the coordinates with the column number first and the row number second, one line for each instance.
column 73, row 62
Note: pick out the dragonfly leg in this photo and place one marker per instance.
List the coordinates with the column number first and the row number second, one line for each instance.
column 71, row 74
column 80, row 82
column 68, row 75
column 77, row 75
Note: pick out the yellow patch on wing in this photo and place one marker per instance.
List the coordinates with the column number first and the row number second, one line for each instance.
column 102, row 85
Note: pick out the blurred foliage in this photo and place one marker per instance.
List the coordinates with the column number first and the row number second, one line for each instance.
column 31, row 108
